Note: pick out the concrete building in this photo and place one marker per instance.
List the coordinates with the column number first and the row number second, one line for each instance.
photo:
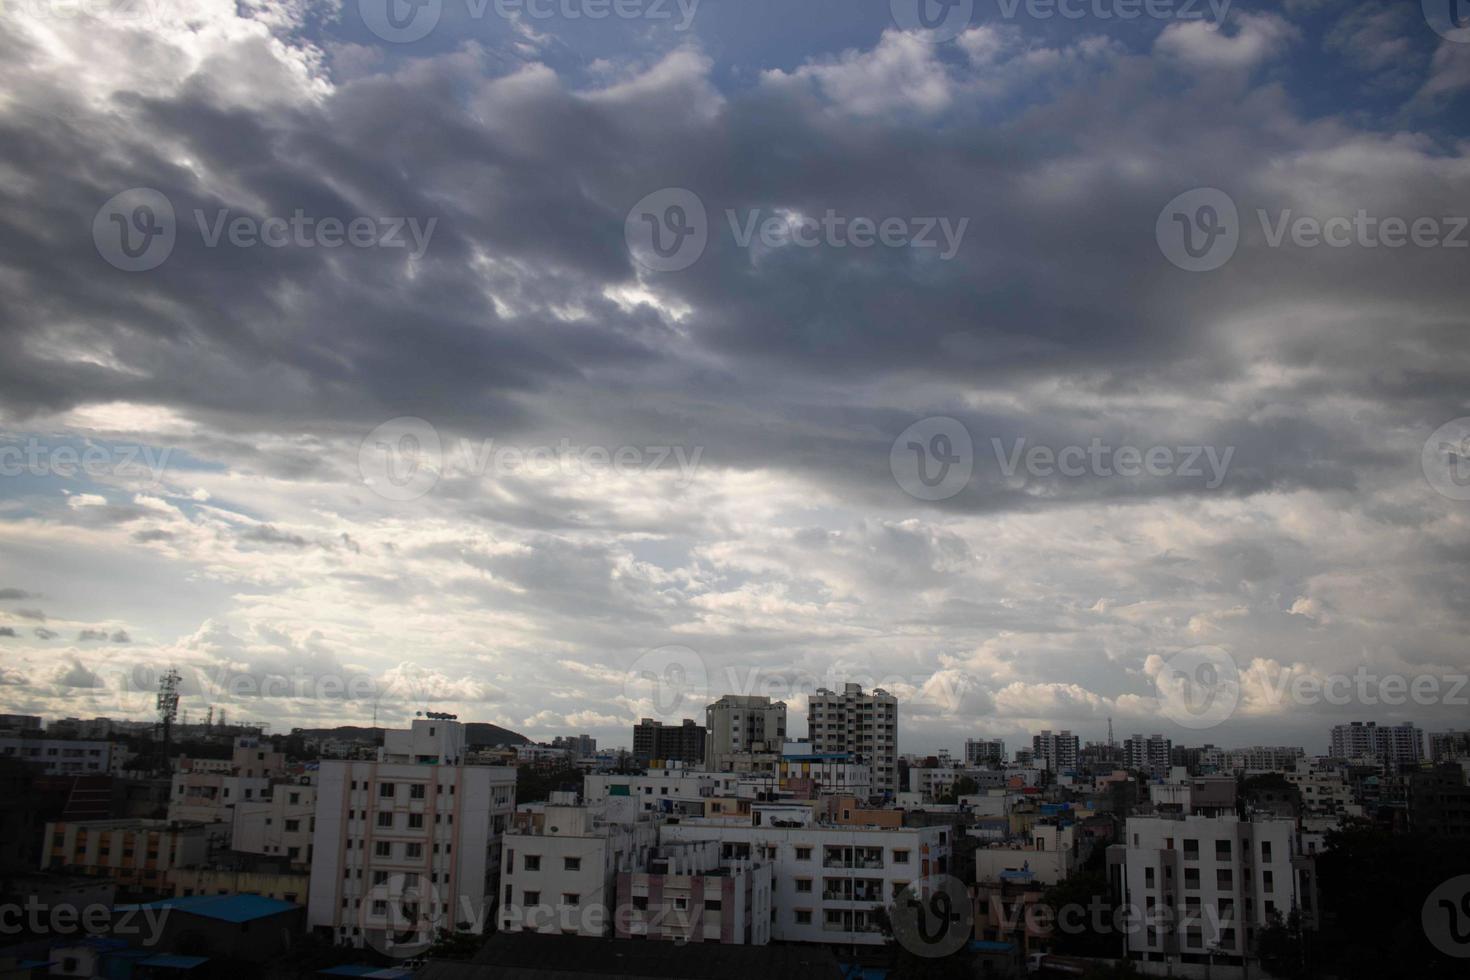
column 659, row 790
column 1150, row 755
column 655, row 741
column 19, row 723
column 1050, row 852
column 689, row 895
column 1054, row 751
column 829, row 882
column 60, row 756
column 1203, row 886
column 865, row 726
column 207, row 790
column 281, row 825
column 985, row 752
column 133, row 853
column 562, row 861
column 1449, row 746
column 743, row 723
column 286, row 886
column 409, row 843
column 808, row 774
column 1393, row 745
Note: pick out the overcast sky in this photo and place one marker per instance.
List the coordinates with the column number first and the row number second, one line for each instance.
column 735, row 346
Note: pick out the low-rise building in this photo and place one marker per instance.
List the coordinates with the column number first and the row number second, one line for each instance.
column 279, row 826
column 688, row 894
column 60, row 756
column 133, row 853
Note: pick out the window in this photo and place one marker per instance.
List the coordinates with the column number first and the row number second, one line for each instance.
column 532, row 862
column 1268, row 881
column 681, row 903
column 414, row 850
column 1223, row 850
column 385, row 819
column 415, row 821
column 1227, row 908
column 293, row 825
column 640, row 903
column 382, row 849
column 380, row 877
column 803, row 917
column 1224, row 879
column 1191, row 849
column 571, row 864
column 1191, row 878
column 803, row 884
column 293, row 798
column 900, row 857
column 1148, row 877
column 380, row 907
column 1265, row 850
column 712, row 905
column 571, row 898
column 416, row 791
column 533, row 898
column 803, row 854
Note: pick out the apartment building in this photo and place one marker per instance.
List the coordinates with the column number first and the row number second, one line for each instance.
column 829, row 882
column 1049, row 852
column 562, row 861
column 658, row 790
column 865, row 726
column 207, row 790
column 806, row 774
column 60, row 756
column 1323, row 792
column 1449, row 746
column 931, row 782
column 281, row 825
column 134, row 853
column 1150, row 755
column 742, row 723
column 985, row 752
column 655, row 741
column 408, row 843
column 688, row 894
column 1054, row 751
column 1393, row 745
column 1202, row 886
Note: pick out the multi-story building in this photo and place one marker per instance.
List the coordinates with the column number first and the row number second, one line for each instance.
column 865, row 726
column 1393, row 745
column 830, row 883
column 1054, row 751
column 581, row 746
column 807, row 774
column 1050, row 851
column 1449, row 746
column 1323, row 792
column 408, row 843
column 985, row 752
column 934, row 782
column 655, row 741
column 660, row 790
column 281, row 825
column 1266, row 758
column 1150, row 755
column 60, row 756
column 207, row 790
column 689, row 895
column 20, row 723
column 1204, row 886
column 134, row 853
column 561, row 863
column 1439, row 801
column 743, row 723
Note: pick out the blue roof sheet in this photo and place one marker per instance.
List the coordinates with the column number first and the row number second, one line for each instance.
column 173, row 962
column 227, row 908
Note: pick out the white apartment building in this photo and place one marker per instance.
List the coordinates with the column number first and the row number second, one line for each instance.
column 689, row 895
column 281, row 825
column 1394, row 745
column 207, row 790
column 1050, row 853
column 865, row 726
column 60, row 756
column 561, row 864
column 1449, row 746
column 834, row 773
column 1054, row 751
column 932, row 783
column 1150, row 755
column 1202, row 886
column 656, row 790
column 990, row 752
column 828, row 881
column 739, row 723
column 408, row 842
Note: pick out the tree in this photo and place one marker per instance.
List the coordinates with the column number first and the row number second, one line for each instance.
column 1086, row 889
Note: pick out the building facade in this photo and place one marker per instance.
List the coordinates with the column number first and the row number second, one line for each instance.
column 688, row 895
column 865, row 726
column 280, row 826
column 135, row 853
column 60, row 756
column 743, row 723
column 655, row 741
column 1393, row 745
column 1054, row 751
column 1150, row 755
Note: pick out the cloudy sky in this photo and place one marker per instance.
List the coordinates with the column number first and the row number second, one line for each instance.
column 565, row 362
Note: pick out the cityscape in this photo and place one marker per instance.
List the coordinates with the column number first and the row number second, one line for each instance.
column 734, row 489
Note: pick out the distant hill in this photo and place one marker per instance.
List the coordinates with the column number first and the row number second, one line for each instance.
column 477, row 734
